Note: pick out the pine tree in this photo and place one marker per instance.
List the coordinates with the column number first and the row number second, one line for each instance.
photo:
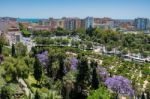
column 13, row 50
column 37, row 70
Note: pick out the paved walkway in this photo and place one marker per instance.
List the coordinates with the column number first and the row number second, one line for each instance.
column 25, row 87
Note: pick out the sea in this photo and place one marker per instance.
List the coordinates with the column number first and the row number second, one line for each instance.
column 28, row 20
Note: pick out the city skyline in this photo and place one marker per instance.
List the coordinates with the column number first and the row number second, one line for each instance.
column 116, row 9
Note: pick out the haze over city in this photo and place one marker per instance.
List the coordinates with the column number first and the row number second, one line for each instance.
column 117, row 9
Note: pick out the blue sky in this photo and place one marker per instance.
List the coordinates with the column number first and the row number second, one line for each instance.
column 118, row 9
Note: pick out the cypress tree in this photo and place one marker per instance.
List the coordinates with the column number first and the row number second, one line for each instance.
column 1, row 48
column 143, row 96
column 37, row 70
column 13, row 50
column 37, row 95
column 95, row 82
column 49, row 67
column 61, row 71
column 83, row 79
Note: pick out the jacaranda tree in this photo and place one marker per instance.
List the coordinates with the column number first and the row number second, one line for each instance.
column 120, row 85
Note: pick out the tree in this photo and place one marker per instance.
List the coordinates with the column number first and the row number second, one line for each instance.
column 73, row 63
column 83, row 79
column 20, row 49
column 61, row 71
column 147, row 91
column 49, row 66
column 101, row 93
column 13, row 51
column 22, row 69
column 120, row 85
column 90, row 30
column 5, row 93
column 37, row 95
column 68, row 85
column 95, row 81
column 1, row 48
column 37, row 70
column 143, row 96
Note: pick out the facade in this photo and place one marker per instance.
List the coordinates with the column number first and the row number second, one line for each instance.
column 105, row 23
column 77, row 23
column 41, row 27
column 59, row 23
column 69, row 24
column 72, row 23
column 82, row 23
column 89, row 22
column 142, row 23
column 52, row 24
column 13, row 35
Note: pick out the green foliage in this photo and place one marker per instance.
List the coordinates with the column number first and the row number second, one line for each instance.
column 15, row 68
column 10, row 90
column 21, row 49
column 5, row 93
column 41, row 33
column 61, row 32
column 24, row 30
column 26, row 33
column 101, row 93
column 3, row 40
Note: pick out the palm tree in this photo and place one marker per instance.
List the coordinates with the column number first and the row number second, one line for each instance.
column 68, row 84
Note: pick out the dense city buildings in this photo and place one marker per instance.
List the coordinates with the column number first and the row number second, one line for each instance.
column 10, row 26
column 142, row 23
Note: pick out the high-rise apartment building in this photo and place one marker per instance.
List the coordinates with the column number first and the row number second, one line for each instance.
column 142, row 23
column 89, row 22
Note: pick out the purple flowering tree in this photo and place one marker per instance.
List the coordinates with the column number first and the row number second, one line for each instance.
column 102, row 73
column 74, row 63
column 120, row 85
column 70, row 64
column 43, row 58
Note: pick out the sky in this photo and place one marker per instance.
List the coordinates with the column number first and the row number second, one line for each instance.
column 117, row 9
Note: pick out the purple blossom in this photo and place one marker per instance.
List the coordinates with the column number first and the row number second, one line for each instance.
column 43, row 58
column 74, row 63
column 102, row 73
column 120, row 85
